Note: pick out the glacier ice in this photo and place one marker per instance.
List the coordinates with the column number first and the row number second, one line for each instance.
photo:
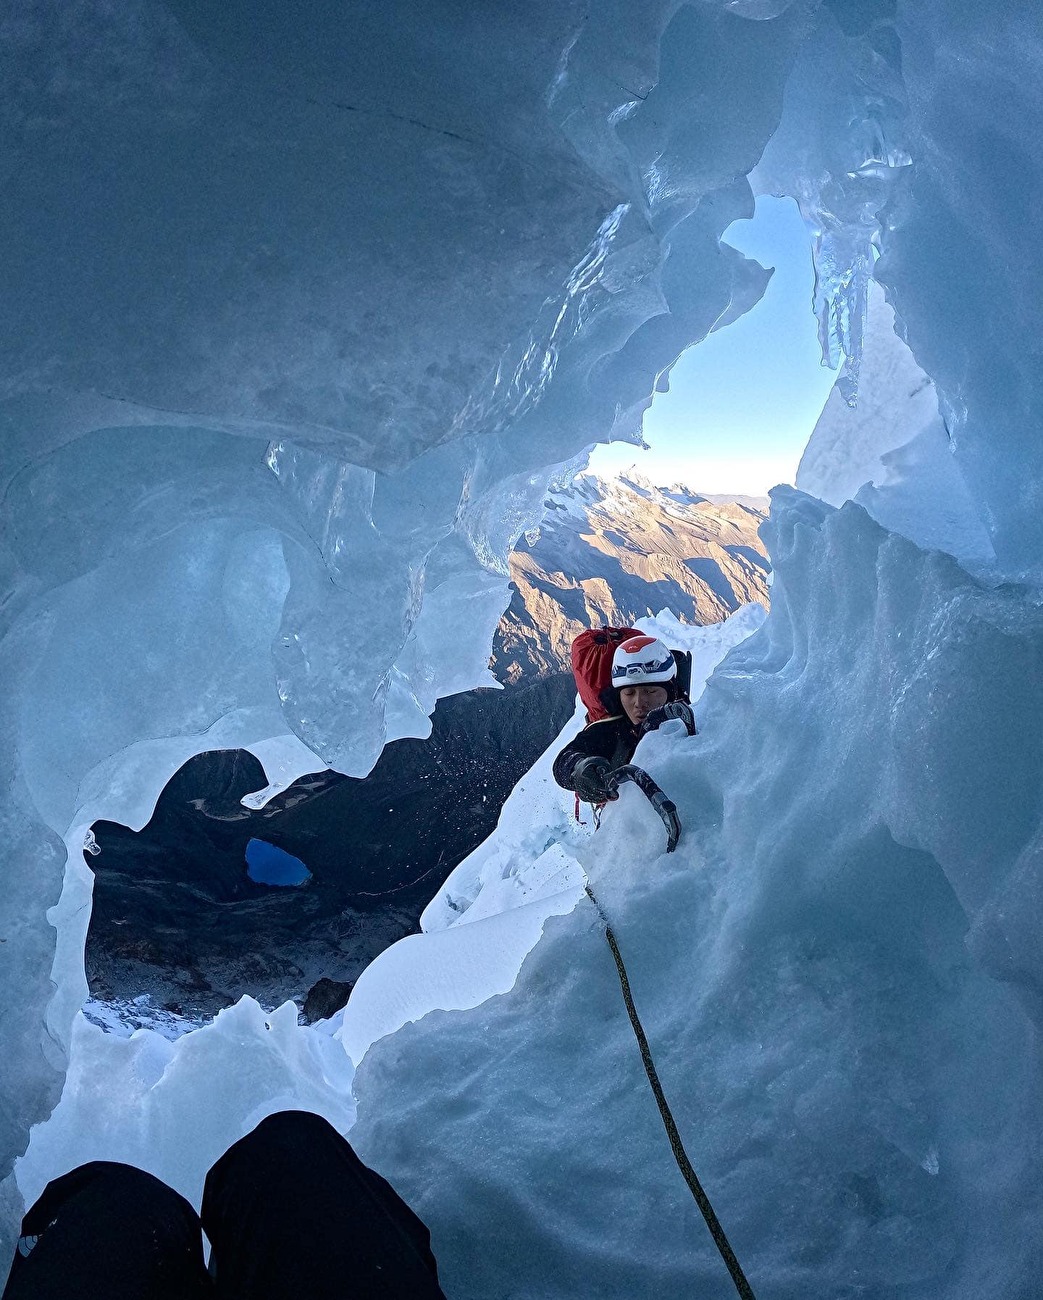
column 892, row 452
column 839, row 993
column 279, row 288
column 150, row 1102
column 896, row 403
column 303, row 318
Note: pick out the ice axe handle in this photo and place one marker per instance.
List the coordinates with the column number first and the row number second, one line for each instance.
column 666, row 808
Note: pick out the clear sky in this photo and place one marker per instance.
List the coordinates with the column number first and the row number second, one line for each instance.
column 742, row 404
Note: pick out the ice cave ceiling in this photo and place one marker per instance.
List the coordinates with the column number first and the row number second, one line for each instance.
column 307, row 304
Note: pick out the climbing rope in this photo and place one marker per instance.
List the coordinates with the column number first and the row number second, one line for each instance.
column 677, row 1146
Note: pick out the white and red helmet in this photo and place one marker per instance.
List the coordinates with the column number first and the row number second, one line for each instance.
column 643, row 660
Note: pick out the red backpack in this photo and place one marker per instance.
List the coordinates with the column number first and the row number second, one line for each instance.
column 592, row 653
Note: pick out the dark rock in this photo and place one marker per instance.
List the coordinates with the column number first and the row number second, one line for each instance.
column 325, row 998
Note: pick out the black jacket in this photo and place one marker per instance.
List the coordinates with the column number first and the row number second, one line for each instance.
column 613, row 738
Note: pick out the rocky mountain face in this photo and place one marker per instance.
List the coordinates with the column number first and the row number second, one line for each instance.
column 611, row 551
column 177, row 918
column 180, row 928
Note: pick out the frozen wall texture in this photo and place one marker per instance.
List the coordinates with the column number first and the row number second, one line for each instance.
column 838, row 971
column 305, row 306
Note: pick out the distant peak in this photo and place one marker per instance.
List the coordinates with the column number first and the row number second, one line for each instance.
column 589, row 482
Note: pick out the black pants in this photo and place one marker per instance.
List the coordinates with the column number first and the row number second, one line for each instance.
column 290, row 1210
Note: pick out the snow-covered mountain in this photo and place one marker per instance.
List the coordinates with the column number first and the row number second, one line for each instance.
column 610, row 551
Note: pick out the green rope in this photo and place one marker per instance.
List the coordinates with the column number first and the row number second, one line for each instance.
column 677, row 1146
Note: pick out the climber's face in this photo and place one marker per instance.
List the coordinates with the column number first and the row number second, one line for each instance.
column 639, row 701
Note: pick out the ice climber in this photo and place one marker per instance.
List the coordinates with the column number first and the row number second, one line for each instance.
column 643, row 694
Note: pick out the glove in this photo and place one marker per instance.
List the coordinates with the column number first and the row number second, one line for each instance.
column 667, row 712
column 592, row 780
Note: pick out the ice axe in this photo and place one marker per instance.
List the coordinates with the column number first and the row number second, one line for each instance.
column 666, row 808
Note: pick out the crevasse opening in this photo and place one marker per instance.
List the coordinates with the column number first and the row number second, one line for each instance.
column 736, row 411
column 312, row 315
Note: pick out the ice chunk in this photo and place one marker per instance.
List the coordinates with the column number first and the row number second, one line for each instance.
column 152, row 1103
column 285, row 759
column 892, row 452
column 896, row 402
column 842, row 164
column 452, row 970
